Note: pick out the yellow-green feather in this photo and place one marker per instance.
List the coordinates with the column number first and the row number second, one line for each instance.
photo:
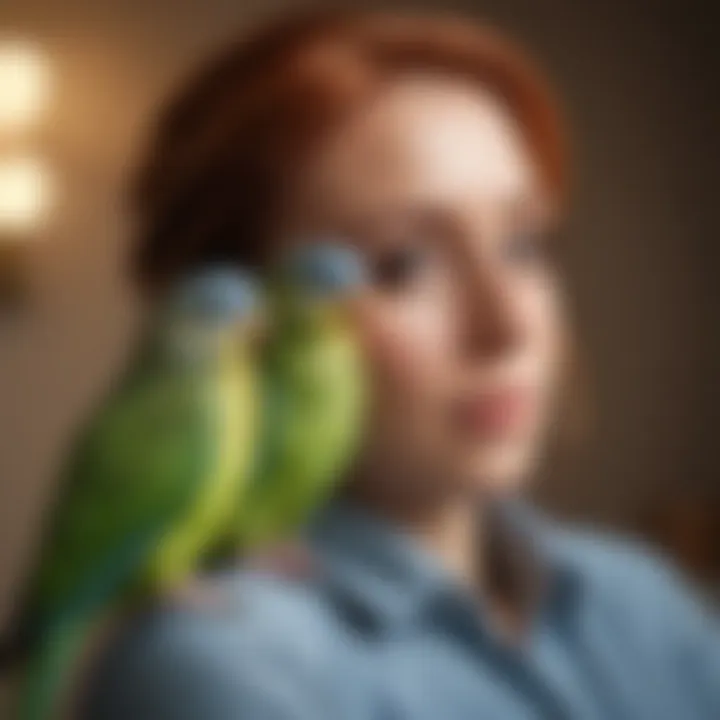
column 317, row 386
column 233, row 394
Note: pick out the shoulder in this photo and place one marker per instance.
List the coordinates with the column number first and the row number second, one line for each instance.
column 246, row 644
column 632, row 579
column 615, row 560
column 641, row 602
column 243, row 611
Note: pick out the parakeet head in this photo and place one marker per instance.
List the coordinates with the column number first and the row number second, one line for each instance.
column 217, row 304
column 317, row 279
column 216, row 295
column 325, row 270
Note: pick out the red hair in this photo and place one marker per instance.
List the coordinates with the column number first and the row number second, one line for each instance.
column 228, row 144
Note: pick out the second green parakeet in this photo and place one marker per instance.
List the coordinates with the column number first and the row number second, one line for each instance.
column 314, row 392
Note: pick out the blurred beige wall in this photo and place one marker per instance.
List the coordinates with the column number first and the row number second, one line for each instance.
column 637, row 77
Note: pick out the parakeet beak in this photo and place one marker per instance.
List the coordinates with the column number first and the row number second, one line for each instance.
column 331, row 314
column 344, row 307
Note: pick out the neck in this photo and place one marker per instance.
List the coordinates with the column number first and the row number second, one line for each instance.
column 451, row 530
column 457, row 532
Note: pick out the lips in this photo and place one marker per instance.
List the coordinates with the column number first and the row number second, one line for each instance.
column 499, row 411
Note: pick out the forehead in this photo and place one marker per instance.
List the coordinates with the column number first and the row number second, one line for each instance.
column 424, row 138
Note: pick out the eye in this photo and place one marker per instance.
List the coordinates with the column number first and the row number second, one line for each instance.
column 402, row 266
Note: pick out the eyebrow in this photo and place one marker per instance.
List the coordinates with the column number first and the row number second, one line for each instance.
column 367, row 226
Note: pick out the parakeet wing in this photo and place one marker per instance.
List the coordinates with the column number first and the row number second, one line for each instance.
column 314, row 396
column 132, row 475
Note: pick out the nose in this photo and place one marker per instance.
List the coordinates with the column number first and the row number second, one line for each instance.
column 491, row 316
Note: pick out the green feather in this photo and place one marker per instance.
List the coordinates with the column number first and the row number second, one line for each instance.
column 313, row 408
column 51, row 668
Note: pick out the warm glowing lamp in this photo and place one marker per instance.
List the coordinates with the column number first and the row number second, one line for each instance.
column 24, row 179
column 24, row 85
column 24, row 197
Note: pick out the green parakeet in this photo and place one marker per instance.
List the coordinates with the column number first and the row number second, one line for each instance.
column 314, row 392
column 154, row 477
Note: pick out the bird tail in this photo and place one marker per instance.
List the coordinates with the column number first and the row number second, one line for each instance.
column 51, row 667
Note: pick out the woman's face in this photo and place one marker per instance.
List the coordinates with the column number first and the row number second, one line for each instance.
column 462, row 323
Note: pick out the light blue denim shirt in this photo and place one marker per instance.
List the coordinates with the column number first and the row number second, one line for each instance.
column 380, row 632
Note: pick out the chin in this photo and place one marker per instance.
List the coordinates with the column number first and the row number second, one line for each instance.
column 498, row 469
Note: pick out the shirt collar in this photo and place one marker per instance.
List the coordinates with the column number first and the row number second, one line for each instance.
column 378, row 569
column 386, row 578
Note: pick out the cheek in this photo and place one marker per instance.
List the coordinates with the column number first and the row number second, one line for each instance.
column 546, row 323
column 408, row 346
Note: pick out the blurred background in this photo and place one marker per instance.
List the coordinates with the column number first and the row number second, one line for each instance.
column 81, row 79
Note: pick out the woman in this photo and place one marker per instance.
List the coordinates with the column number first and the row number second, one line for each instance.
column 431, row 592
